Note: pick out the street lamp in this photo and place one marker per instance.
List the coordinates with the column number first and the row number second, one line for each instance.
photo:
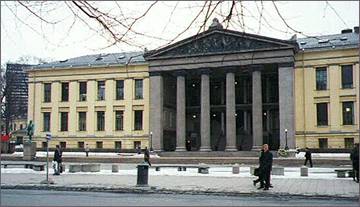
column 286, row 146
column 151, row 149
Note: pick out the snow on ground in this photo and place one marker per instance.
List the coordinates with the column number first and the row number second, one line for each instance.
column 290, row 172
column 324, row 155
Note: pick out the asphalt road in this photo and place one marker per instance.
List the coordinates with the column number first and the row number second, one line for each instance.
column 70, row 198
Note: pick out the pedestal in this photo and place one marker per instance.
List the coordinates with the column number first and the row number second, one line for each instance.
column 29, row 150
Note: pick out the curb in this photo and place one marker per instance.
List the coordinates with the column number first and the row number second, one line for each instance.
column 156, row 190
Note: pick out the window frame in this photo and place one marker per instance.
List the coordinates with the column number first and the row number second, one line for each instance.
column 343, row 70
column 99, row 127
column 318, row 120
column 49, row 124
column 319, row 85
column 346, row 115
column 119, row 91
column 121, row 112
column 63, row 127
column 136, row 125
column 82, row 123
column 82, row 94
column 101, row 88
column 65, row 91
column 139, row 93
column 47, row 92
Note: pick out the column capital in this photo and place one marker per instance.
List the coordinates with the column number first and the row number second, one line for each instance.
column 180, row 73
column 205, row 71
column 230, row 70
column 256, row 67
column 286, row 65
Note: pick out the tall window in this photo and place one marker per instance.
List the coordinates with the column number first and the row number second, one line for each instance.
column 64, row 121
column 81, row 145
column 119, row 90
column 138, row 89
column 101, row 90
column 322, row 114
column 64, row 91
column 47, row 92
column 100, row 120
column 321, row 78
column 46, row 121
column 82, row 91
column 138, row 120
column 82, row 121
column 347, row 76
column 63, row 145
column 117, row 144
column 348, row 113
column 119, row 120
column 99, row 145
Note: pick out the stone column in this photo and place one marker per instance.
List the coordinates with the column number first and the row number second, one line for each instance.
column 286, row 104
column 257, row 109
column 230, row 112
column 205, row 112
column 180, row 112
column 156, row 110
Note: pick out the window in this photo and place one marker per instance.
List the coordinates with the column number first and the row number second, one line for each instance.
column 14, row 126
column 63, row 145
column 138, row 120
column 81, row 145
column 137, row 144
column 119, row 90
column 347, row 76
column 100, row 120
column 82, row 121
column 348, row 113
column 101, row 90
column 44, row 145
column 138, row 89
column 99, row 145
column 46, row 121
column 119, row 120
column 21, row 126
column 118, row 145
column 323, row 143
column 321, row 78
column 322, row 114
column 64, row 91
column 82, row 91
column 47, row 92
column 64, row 121
column 19, row 140
column 349, row 143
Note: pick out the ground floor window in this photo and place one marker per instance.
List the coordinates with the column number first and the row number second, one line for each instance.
column 137, row 144
column 44, row 145
column 349, row 143
column 63, row 145
column 99, row 145
column 323, row 143
column 118, row 145
column 81, row 145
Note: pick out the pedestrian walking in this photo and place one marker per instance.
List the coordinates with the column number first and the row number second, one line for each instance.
column 354, row 156
column 87, row 150
column 58, row 160
column 308, row 156
column 147, row 156
column 266, row 166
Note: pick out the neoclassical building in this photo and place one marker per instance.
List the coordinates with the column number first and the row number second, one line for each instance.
column 222, row 90
column 97, row 100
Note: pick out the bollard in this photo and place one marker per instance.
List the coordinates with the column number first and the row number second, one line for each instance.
column 115, row 168
column 142, row 174
column 235, row 169
column 304, row 171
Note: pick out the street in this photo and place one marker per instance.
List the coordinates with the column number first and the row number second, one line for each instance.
column 71, row 198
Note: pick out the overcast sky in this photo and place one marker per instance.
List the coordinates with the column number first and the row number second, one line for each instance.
column 25, row 35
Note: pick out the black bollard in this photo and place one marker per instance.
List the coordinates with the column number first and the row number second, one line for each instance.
column 142, row 174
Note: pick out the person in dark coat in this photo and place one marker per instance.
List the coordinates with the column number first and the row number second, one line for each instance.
column 147, row 156
column 266, row 166
column 58, row 159
column 308, row 157
column 354, row 156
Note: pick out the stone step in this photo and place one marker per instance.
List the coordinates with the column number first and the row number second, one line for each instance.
column 210, row 154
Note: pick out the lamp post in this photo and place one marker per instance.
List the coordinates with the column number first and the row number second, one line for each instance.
column 151, row 149
column 286, row 146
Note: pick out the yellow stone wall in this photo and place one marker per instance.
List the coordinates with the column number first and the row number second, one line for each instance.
column 36, row 105
column 306, row 97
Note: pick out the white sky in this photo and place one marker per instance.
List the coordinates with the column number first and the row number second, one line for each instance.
column 58, row 42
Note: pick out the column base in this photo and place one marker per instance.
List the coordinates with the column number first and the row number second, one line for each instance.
column 231, row 149
column 205, row 149
column 256, row 148
column 180, row 149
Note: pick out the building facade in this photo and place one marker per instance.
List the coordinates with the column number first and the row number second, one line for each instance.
column 327, row 91
column 222, row 90
column 97, row 100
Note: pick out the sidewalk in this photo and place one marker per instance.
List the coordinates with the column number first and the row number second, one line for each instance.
column 220, row 181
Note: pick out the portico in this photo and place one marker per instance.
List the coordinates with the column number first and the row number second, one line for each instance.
column 222, row 90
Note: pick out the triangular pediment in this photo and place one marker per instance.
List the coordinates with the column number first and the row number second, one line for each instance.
column 219, row 41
